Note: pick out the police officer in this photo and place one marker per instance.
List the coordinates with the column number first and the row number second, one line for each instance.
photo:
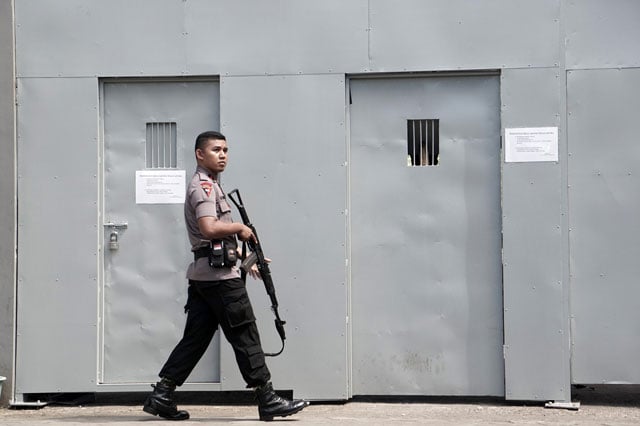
column 216, row 295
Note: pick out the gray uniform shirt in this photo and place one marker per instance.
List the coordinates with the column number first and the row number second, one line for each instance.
column 205, row 198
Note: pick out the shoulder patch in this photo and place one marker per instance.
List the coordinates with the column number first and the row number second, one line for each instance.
column 207, row 187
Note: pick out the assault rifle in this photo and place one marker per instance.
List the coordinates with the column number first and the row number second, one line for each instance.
column 257, row 257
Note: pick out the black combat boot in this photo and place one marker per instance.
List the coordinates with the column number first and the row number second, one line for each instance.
column 271, row 405
column 160, row 402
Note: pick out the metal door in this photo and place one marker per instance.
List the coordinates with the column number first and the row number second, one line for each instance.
column 425, row 239
column 149, row 134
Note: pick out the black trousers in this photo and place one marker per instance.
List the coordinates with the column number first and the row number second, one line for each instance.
column 209, row 304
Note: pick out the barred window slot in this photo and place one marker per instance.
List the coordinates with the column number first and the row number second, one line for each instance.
column 423, row 142
column 161, row 145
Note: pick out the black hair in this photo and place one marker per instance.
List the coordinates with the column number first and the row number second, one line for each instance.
column 204, row 137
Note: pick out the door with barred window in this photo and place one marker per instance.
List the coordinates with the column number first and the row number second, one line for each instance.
column 148, row 155
column 425, row 223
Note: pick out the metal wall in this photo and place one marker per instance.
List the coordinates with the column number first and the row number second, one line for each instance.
column 601, row 34
column 57, row 231
column 603, row 110
column 282, row 70
column 290, row 164
column 536, row 333
column 7, row 199
column 204, row 37
column 602, row 103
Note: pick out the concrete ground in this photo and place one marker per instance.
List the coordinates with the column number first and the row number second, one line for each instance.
column 596, row 408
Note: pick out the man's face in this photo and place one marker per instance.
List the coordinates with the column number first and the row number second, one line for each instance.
column 213, row 155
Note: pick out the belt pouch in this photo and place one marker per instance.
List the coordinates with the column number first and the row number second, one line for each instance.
column 216, row 254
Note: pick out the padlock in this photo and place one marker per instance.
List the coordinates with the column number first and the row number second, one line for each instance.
column 113, row 241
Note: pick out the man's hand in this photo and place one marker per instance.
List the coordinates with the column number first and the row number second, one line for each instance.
column 246, row 234
column 254, row 272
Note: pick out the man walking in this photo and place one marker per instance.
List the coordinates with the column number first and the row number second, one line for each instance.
column 216, row 294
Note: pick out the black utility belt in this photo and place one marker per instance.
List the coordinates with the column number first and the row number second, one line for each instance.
column 221, row 254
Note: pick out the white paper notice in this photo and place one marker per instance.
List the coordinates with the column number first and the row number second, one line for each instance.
column 160, row 186
column 526, row 144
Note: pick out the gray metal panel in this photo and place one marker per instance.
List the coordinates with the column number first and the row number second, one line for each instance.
column 535, row 306
column 172, row 37
column 145, row 288
column 7, row 200
column 604, row 176
column 104, row 38
column 57, row 263
column 458, row 34
column 176, row 37
column 426, row 266
column 277, row 37
column 602, row 34
column 287, row 156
